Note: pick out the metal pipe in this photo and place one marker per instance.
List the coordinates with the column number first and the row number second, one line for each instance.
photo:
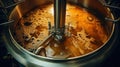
column 59, row 14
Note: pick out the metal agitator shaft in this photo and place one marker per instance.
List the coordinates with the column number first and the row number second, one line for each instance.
column 59, row 24
column 59, row 18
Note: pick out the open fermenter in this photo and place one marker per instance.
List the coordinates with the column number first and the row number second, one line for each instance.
column 59, row 33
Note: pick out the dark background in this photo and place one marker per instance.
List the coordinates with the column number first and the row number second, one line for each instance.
column 6, row 60
column 113, row 60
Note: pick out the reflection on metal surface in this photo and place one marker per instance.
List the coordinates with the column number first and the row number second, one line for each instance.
column 7, row 23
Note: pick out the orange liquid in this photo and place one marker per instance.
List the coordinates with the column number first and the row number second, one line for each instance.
column 83, row 33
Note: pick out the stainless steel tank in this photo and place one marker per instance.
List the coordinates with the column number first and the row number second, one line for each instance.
column 91, row 59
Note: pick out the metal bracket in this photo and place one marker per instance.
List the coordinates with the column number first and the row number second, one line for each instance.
column 16, row 3
column 103, row 2
column 114, row 21
column 108, row 4
column 4, row 8
column 6, row 23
